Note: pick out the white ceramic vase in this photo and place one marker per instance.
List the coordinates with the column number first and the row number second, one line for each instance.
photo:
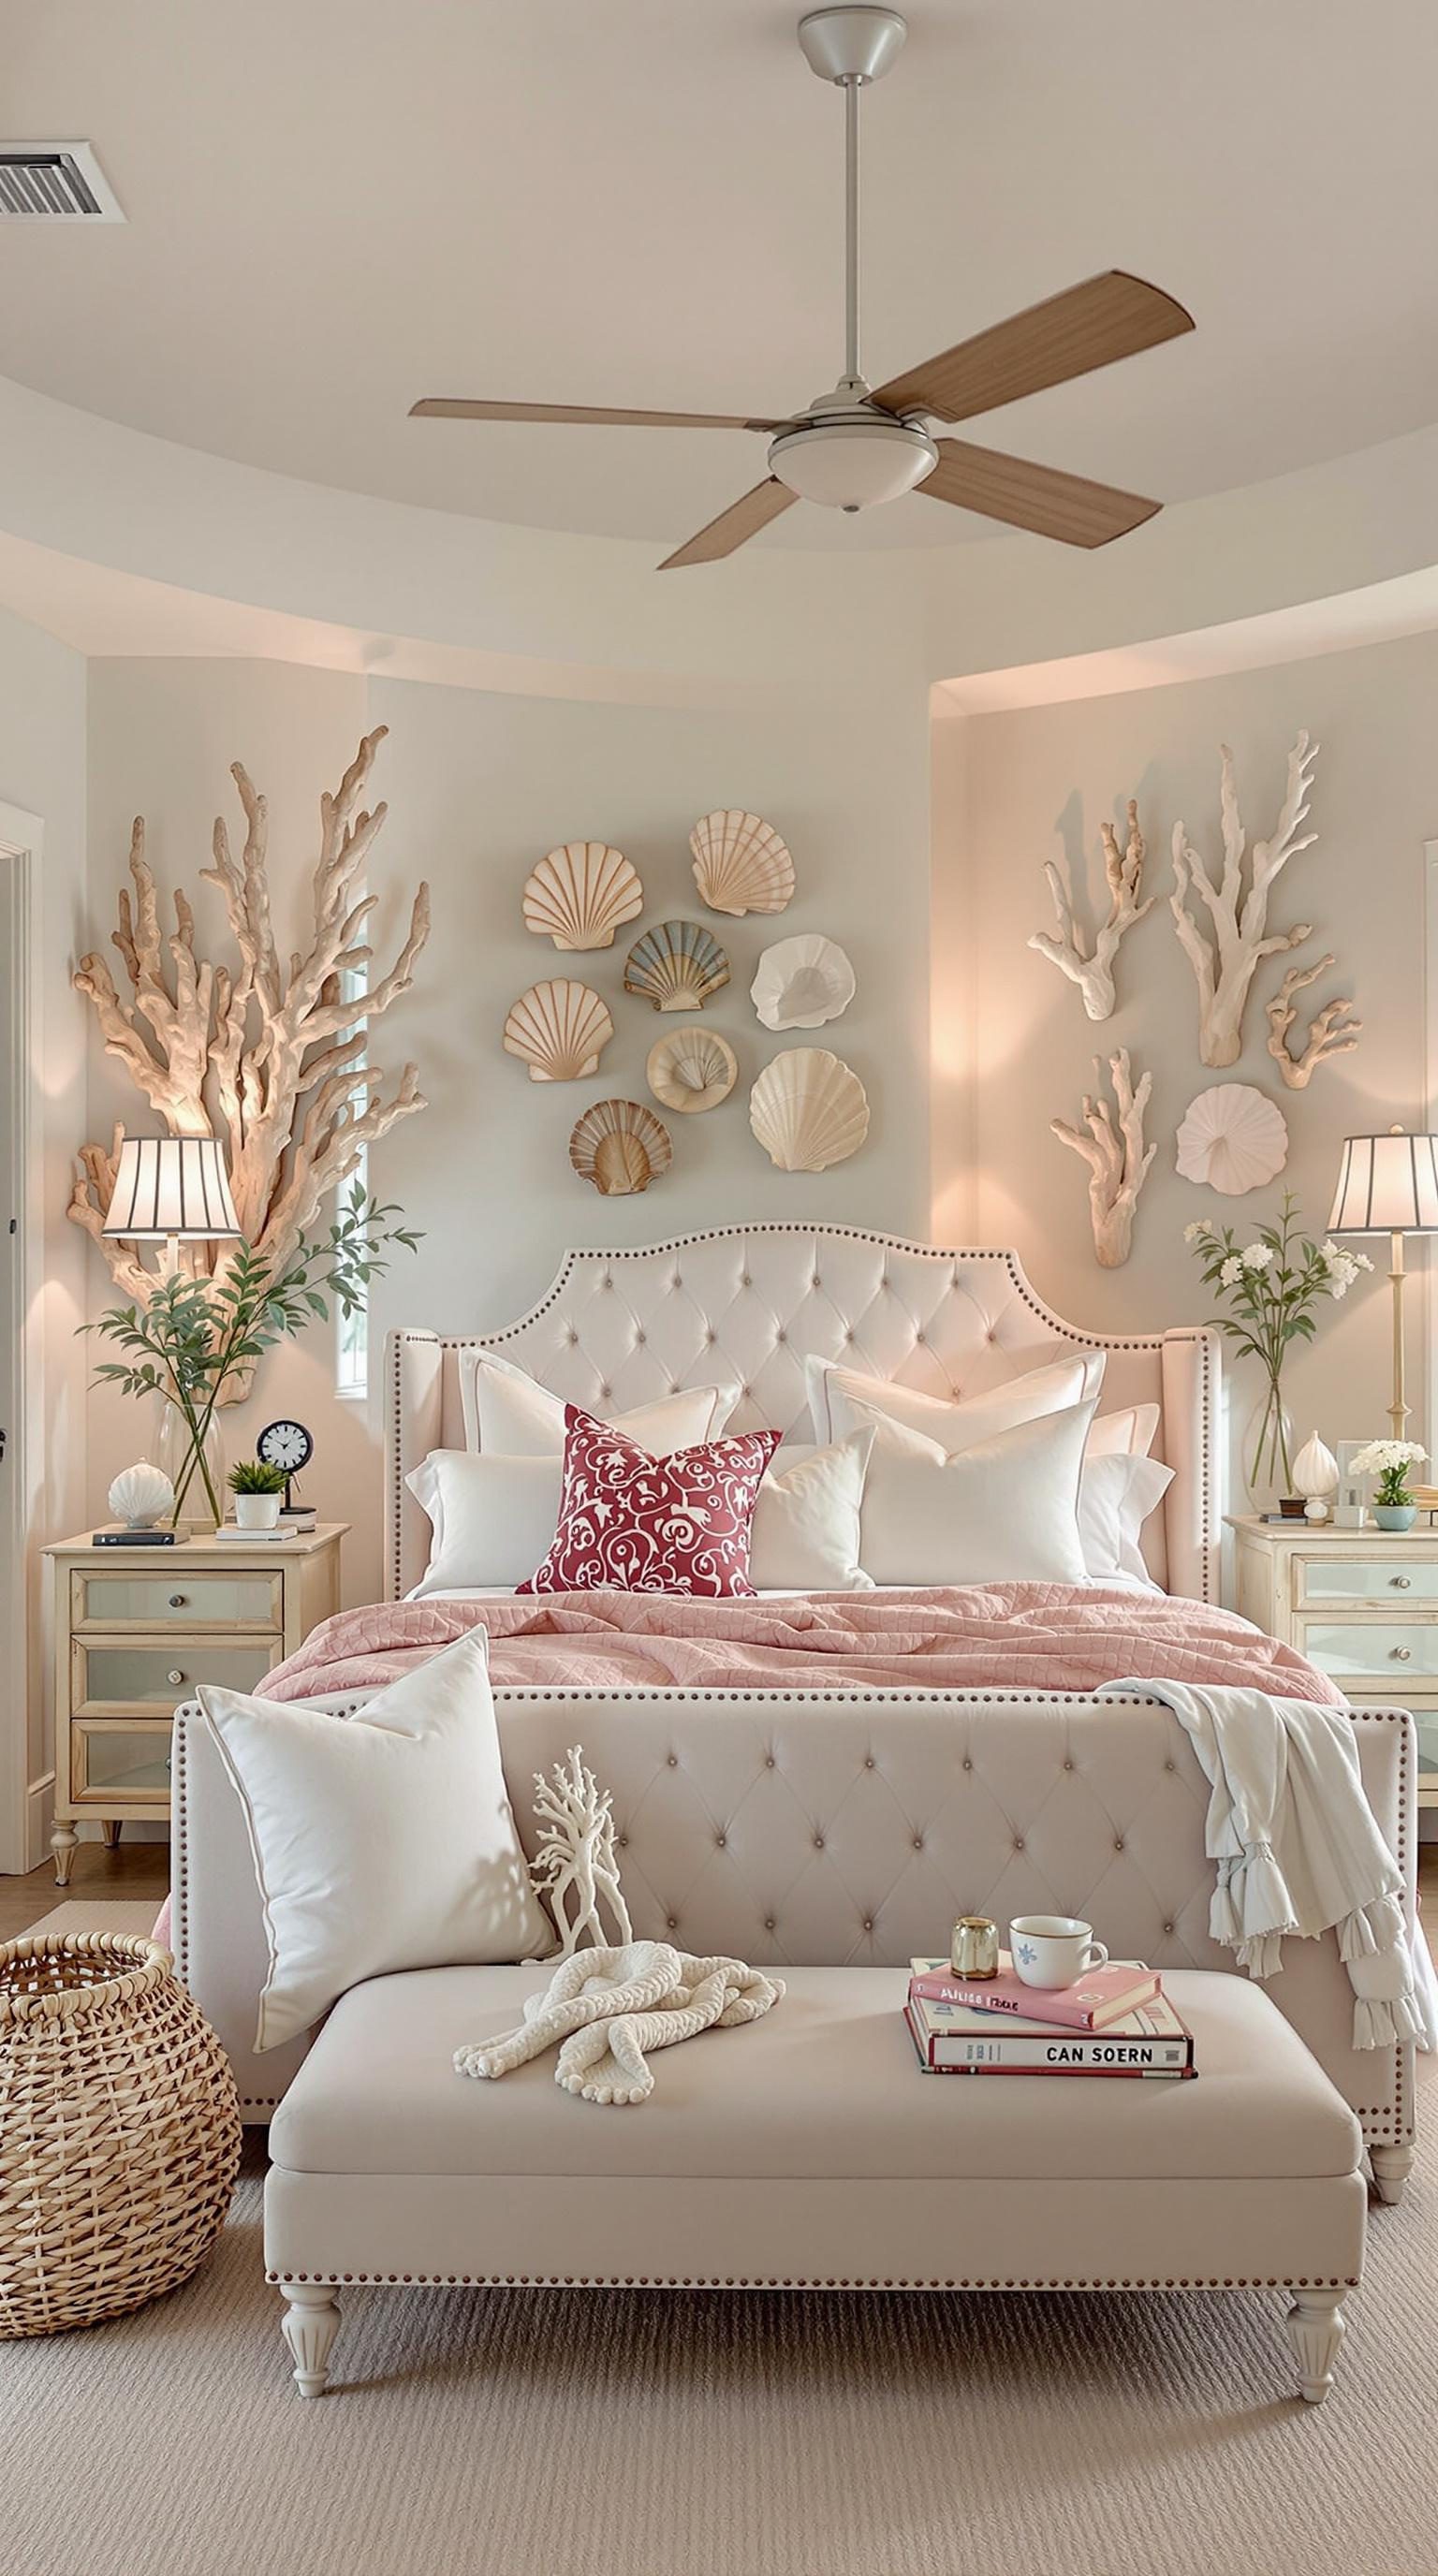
column 257, row 1511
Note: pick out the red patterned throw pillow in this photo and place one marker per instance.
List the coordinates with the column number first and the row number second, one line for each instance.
column 632, row 1523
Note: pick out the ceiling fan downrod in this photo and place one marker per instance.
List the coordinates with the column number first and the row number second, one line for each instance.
column 851, row 47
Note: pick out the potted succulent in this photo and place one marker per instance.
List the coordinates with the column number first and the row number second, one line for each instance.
column 1390, row 1460
column 257, row 1488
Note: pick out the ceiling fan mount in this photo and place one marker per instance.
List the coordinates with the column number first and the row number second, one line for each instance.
column 854, row 448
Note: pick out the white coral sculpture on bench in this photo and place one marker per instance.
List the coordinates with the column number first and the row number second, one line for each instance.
column 1237, row 904
column 575, row 1858
column 1332, row 1031
column 1117, row 1158
column 269, row 1056
column 1093, row 973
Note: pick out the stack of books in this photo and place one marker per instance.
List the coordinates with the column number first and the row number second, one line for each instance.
column 1114, row 2021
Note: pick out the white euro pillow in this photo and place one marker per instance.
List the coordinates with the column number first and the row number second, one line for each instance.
column 492, row 1519
column 382, row 1841
column 1005, row 1511
column 507, row 1410
column 805, row 1534
column 1117, row 1492
column 841, row 1399
column 1128, row 1434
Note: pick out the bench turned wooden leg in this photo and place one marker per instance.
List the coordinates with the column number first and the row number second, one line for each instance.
column 309, row 2325
column 1391, row 2169
column 1316, row 2328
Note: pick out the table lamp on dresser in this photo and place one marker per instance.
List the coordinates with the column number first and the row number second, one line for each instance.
column 1389, row 1185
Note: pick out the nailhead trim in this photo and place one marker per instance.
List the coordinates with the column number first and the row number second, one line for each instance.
column 748, row 2281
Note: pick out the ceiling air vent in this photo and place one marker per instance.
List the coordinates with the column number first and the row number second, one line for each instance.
column 55, row 183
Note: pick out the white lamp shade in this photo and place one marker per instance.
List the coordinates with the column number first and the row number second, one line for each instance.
column 1387, row 1185
column 171, row 1186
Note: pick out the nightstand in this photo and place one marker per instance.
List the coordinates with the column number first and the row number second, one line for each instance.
column 137, row 1628
column 1361, row 1604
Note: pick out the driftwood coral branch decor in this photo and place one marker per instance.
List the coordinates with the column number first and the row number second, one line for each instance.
column 1093, row 974
column 1117, row 1158
column 1226, row 958
column 268, row 1055
column 1333, row 1031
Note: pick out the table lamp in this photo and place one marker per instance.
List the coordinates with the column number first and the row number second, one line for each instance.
column 171, row 1189
column 1389, row 1185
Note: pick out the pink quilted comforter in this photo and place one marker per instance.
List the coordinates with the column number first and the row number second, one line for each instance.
column 1001, row 1636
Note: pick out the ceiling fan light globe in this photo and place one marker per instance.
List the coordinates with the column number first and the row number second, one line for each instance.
column 853, row 464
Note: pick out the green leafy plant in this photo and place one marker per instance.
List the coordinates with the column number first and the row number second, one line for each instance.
column 196, row 1336
column 1272, row 1286
column 256, row 1476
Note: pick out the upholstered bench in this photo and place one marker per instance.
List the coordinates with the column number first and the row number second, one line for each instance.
column 808, row 2151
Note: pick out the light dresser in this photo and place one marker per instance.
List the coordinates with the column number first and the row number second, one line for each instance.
column 137, row 1629
column 1361, row 1604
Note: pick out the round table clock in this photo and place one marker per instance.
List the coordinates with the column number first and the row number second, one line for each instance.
column 288, row 1446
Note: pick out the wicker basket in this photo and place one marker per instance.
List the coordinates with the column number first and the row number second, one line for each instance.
column 119, row 2130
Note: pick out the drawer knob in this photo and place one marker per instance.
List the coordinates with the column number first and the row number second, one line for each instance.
column 1401, row 1582
column 174, row 1679
column 1402, row 1654
column 177, row 1601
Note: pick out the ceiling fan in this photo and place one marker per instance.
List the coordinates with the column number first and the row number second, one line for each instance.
column 854, row 447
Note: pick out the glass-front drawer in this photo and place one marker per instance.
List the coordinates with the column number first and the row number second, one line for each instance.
column 160, row 1673
column 1427, row 1725
column 176, row 1598
column 1386, row 1648
column 1372, row 1578
column 121, row 1762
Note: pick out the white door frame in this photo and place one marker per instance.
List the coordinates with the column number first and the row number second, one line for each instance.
column 26, row 1781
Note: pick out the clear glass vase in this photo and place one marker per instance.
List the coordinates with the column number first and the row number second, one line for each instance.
column 199, row 1481
column 1268, row 1453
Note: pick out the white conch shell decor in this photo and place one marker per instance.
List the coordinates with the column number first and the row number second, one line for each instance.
column 676, row 967
column 560, row 1030
column 141, row 1495
column 741, row 864
column 1232, row 1138
column 808, row 1109
column 802, row 982
column 620, row 1146
column 579, row 895
column 1315, row 1476
column 694, row 1069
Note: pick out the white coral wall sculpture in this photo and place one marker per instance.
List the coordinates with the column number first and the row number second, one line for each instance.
column 1227, row 954
column 1117, row 1157
column 1094, row 972
column 1332, row 1031
column 270, row 1055
column 575, row 1869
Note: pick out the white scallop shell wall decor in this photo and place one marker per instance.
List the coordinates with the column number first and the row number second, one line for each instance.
column 692, row 1069
column 808, row 1109
column 676, row 967
column 559, row 1030
column 620, row 1147
column 740, row 863
column 141, row 1495
column 802, row 982
column 1232, row 1137
column 579, row 895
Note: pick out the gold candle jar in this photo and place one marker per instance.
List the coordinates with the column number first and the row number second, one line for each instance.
column 974, row 1949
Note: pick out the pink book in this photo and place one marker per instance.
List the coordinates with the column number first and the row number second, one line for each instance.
column 1101, row 1995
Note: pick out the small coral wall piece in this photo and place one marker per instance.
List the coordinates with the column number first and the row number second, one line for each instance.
column 1093, row 973
column 1332, row 1031
column 1117, row 1158
column 1236, row 904
column 1233, row 1138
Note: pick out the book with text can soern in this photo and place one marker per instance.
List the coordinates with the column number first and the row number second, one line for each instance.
column 953, row 2040
column 1100, row 1997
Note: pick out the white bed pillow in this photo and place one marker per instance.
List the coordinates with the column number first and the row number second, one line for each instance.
column 507, row 1410
column 1116, row 1495
column 841, row 1399
column 1005, row 1511
column 493, row 1519
column 1128, row 1434
column 382, row 1841
column 805, row 1531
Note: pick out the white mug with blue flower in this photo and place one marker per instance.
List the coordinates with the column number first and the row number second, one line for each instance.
column 1053, row 1949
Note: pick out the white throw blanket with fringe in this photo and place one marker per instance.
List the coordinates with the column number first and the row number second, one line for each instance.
column 1299, row 1851
column 605, row 2008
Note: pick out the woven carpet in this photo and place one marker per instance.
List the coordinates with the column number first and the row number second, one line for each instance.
column 503, row 2433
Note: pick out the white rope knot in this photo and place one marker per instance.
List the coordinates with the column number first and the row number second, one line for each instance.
column 606, row 2008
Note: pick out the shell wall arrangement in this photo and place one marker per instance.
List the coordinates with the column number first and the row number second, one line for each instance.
column 580, row 894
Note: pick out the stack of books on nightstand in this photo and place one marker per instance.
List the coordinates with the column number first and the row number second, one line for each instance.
column 1115, row 2021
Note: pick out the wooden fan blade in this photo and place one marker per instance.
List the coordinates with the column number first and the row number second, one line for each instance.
column 1109, row 317
column 734, row 526
column 1036, row 497
column 456, row 407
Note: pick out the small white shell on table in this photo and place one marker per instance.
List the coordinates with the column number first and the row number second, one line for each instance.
column 141, row 1495
column 1233, row 1138
column 808, row 1109
column 676, row 967
column 620, row 1146
column 560, row 1030
column 692, row 1069
column 740, row 863
column 579, row 895
column 802, row 982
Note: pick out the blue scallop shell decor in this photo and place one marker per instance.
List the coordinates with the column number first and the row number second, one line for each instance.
column 676, row 967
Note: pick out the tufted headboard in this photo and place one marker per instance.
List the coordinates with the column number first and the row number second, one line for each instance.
column 753, row 1301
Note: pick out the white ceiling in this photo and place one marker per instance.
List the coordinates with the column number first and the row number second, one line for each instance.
column 337, row 205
